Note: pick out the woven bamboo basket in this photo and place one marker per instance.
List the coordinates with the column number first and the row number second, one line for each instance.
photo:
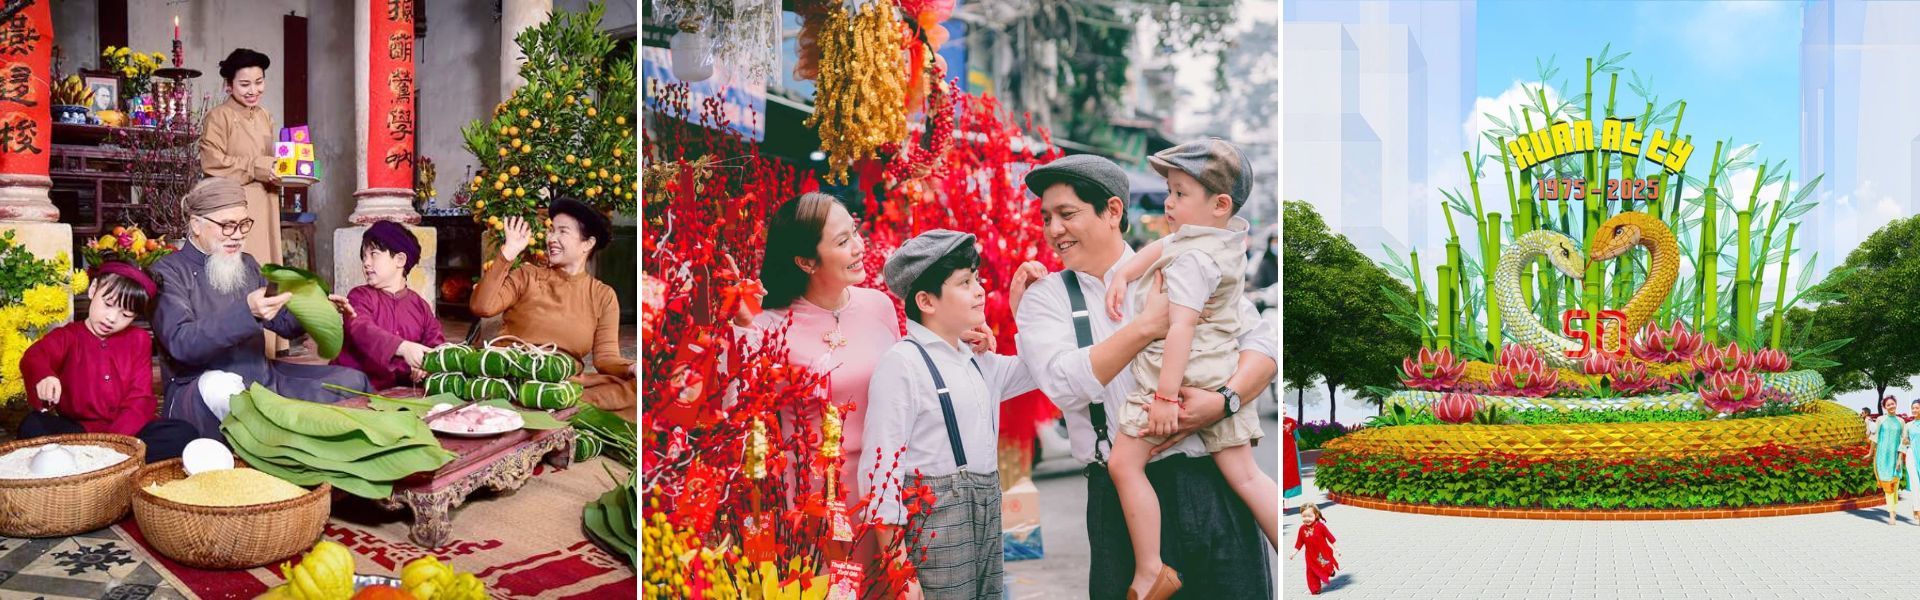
column 1827, row 425
column 227, row 537
column 63, row 506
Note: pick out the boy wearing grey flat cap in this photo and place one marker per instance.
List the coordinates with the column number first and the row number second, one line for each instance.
column 1202, row 263
column 936, row 402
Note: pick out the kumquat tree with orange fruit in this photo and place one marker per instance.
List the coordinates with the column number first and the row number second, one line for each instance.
column 568, row 132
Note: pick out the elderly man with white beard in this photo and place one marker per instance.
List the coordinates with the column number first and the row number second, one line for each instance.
column 213, row 308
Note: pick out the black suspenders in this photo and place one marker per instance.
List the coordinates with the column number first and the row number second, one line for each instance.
column 1083, row 332
column 946, row 404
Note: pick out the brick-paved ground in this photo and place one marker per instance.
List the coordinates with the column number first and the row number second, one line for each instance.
column 1852, row 554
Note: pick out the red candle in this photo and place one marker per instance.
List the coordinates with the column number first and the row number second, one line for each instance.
column 176, row 28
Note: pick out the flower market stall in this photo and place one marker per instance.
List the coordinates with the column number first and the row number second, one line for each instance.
column 735, row 434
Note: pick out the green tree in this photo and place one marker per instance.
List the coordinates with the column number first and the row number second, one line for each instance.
column 567, row 132
column 1334, row 311
column 1877, row 310
column 1804, row 329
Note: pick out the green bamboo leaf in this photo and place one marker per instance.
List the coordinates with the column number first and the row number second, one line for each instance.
column 1497, row 121
column 1806, row 189
column 1806, row 273
column 1397, row 267
column 1795, row 212
column 1814, row 363
column 310, row 306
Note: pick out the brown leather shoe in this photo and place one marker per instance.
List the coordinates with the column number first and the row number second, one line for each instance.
column 1164, row 586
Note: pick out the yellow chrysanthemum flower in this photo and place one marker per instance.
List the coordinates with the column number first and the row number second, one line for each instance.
column 47, row 304
column 10, row 320
column 80, row 280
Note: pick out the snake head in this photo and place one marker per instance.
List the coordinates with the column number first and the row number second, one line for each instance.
column 1562, row 252
column 1617, row 235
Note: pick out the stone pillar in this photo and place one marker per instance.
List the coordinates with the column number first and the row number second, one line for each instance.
column 384, row 111
column 26, row 133
column 385, row 126
column 517, row 16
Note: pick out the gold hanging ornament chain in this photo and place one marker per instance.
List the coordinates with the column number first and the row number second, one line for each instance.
column 859, row 105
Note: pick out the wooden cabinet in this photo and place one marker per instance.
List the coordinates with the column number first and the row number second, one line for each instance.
column 457, row 264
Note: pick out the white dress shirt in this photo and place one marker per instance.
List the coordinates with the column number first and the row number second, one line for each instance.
column 904, row 412
column 1064, row 370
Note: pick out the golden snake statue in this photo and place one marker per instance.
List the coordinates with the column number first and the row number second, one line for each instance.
column 1613, row 239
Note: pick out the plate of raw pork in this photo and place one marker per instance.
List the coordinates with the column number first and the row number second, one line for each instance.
column 473, row 420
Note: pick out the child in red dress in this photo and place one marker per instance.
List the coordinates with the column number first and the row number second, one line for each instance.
column 1322, row 557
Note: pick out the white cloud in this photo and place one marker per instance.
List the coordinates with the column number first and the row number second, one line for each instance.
column 1506, row 106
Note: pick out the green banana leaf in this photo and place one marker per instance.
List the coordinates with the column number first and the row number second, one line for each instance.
column 310, row 306
column 328, row 421
column 308, row 477
column 245, row 413
column 535, row 419
column 619, row 506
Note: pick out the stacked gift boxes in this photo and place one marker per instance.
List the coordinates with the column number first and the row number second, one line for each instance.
column 293, row 155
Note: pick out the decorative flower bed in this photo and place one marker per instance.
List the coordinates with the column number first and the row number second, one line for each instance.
column 1316, row 434
column 1821, row 425
column 1769, row 474
column 1794, row 387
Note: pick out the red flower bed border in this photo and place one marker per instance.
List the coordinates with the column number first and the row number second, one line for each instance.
column 1558, row 514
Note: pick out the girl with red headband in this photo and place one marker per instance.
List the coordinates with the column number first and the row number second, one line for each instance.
column 96, row 375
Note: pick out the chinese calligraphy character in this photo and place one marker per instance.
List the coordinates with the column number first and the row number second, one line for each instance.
column 17, row 135
column 399, row 123
column 400, row 46
column 400, row 83
column 17, row 36
column 18, row 85
column 400, row 10
column 397, row 156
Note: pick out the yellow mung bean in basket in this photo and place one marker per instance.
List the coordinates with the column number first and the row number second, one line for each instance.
column 227, row 487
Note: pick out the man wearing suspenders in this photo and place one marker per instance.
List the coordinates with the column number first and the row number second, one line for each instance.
column 1078, row 356
column 934, row 407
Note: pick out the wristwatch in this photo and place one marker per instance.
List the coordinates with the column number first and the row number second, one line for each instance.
column 1232, row 398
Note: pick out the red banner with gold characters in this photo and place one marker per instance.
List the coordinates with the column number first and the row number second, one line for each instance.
column 26, row 50
column 390, row 114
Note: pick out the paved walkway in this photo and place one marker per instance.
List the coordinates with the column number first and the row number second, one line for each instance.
column 1395, row 555
column 1062, row 574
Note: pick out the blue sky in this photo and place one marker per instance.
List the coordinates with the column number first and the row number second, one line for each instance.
column 1737, row 64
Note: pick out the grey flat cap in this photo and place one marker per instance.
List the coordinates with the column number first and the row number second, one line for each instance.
column 1214, row 162
column 914, row 257
column 1093, row 170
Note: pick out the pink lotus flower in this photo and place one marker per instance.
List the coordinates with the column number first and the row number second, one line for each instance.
column 1632, row 380
column 1674, row 344
column 1769, row 360
column 1522, row 373
column 1456, row 408
column 1712, row 360
column 1433, row 371
column 1599, row 364
column 1732, row 391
